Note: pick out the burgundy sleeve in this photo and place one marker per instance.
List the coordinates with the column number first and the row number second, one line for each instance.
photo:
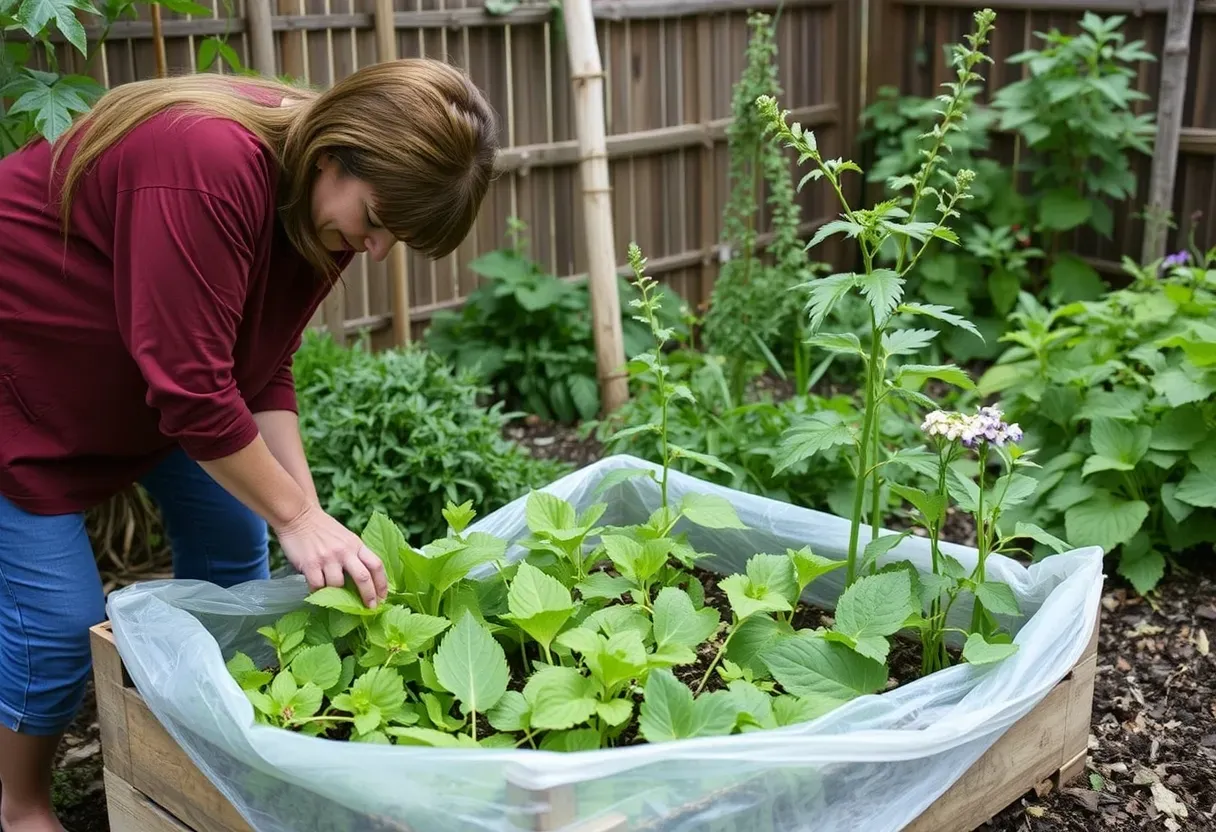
column 280, row 392
column 182, row 259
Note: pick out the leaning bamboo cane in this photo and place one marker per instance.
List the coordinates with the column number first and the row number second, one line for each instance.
column 587, row 75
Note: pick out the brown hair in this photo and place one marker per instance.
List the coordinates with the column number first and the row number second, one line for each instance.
column 416, row 130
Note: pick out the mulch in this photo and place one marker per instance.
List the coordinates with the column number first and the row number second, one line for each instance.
column 1152, row 763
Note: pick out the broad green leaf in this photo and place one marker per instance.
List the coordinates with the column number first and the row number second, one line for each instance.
column 1064, row 209
column 1022, row 529
column 33, row 15
column 753, row 706
column 319, row 665
column 1181, row 387
column 914, row 376
column 669, row 711
column 1011, row 490
column 998, row 598
column 459, row 516
column 800, row 442
column 808, row 665
column 1119, row 442
column 1104, row 520
column 1142, row 567
column 386, row 540
column 677, row 622
column 472, row 665
column 932, row 506
column 978, row 650
column 343, row 599
column 708, row 460
column 755, row 635
column 511, row 713
column 546, row 512
column 1198, row 488
column 875, row 605
column 614, row 712
column 539, row 604
column 809, row 566
column 1180, row 429
column 559, row 698
column 710, row 511
column 53, row 106
column 246, row 673
column 880, row 546
column 603, row 585
column 430, row 737
column 747, row 600
column 1176, row 508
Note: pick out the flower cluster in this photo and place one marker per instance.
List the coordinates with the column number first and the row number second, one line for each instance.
column 1180, row 258
column 987, row 425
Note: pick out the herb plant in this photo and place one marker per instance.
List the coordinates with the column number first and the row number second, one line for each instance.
column 1118, row 394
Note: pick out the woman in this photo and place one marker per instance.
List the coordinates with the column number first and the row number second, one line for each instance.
column 153, row 290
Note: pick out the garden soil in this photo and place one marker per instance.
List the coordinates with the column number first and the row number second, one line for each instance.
column 1152, row 762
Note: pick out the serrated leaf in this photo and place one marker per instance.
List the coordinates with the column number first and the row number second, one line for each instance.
column 511, row 713
column 246, row 674
column 1115, row 440
column 1143, row 569
column 875, row 605
column 669, row 711
column 978, row 650
column 1064, row 209
column 33, row 15
column 386, row 541
column 941, row 313
column 1104, row 520
column 850, row 229
column 883, row 288
column 825, row 293
column 547, row 512
column 998, row 598
column 539, row 604
column 319, row 665
column 915, row 375
column 560, row 698
column 708, row 460
column 808, row 665
column 803, row 440
column 472, row 665
column 710, row 510
column 845, row 343
column 907, row 341
column 677, row 622
column 603, row 585
column 343, row 599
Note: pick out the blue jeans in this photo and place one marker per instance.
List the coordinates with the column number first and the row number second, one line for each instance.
column 51, row 594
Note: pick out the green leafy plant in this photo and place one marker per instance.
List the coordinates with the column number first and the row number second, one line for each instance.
column 401, row 432
column 527, row 333
column 754, row 312
column 599, row 635
column 887, row 377
column 1118, row 393
column 43, row 103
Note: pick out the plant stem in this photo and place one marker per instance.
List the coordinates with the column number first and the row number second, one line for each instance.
column 717, row 657
column 863, row 449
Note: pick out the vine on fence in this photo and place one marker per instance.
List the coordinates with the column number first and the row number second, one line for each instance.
column 42, row 101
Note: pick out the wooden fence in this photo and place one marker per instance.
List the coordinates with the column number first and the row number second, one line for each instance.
column 906, row 40
column 669, row 68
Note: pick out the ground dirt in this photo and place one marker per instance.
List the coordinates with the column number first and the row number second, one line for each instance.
column 1152, row 762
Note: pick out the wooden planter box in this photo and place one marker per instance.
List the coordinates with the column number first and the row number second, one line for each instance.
column 153, row 786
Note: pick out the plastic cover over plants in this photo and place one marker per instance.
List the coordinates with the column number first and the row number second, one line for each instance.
column 874, row 763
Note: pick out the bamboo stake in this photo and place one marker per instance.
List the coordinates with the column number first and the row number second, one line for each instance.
column 261, row 36
column 587, row 76
column 158, row 42
column 1171, row 98
column 398, row 275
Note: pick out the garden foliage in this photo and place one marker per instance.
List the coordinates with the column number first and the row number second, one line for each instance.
column 402, row 433
column 602, row 635
column 527, row 334
column 1118, row 393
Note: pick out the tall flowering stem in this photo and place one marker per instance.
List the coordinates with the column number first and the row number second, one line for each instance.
column 872, row 228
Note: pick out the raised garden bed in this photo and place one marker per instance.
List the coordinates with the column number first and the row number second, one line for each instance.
column 153, row 786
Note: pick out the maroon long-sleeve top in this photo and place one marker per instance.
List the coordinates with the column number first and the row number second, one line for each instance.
column 167, row 317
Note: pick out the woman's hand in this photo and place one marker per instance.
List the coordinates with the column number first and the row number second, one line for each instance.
column 325, row 552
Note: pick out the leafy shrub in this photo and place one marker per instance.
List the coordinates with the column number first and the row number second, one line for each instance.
column 1119, row 395
column 755, row 312
column 401, row 432
column 528, row 334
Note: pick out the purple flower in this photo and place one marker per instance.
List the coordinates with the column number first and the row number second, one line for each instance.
column 1178, row 258
column 988, row 425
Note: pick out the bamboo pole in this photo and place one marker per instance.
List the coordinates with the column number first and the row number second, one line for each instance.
column 158, row 43
column 398, row 275
column 587, row 76
column 260, row 21
column 1171, row 98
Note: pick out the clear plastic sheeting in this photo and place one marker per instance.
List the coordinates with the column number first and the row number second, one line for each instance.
column 873, row 764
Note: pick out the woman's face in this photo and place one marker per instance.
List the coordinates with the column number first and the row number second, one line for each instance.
column 343, row 212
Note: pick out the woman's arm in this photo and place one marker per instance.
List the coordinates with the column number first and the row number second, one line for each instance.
column 281, row 431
